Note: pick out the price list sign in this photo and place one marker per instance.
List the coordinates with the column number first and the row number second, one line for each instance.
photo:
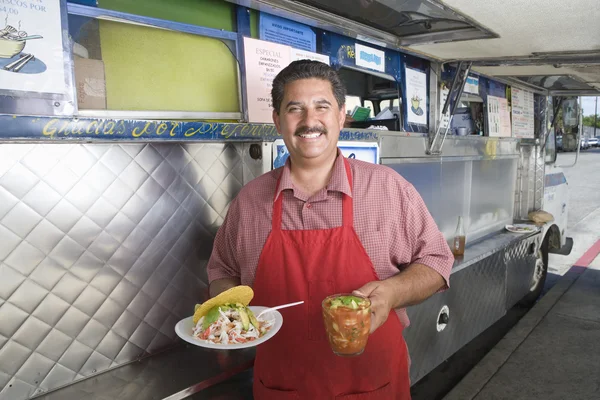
column 522, row 113
column 264, row 60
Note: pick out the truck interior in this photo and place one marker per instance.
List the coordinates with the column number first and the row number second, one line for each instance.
column 379, row 92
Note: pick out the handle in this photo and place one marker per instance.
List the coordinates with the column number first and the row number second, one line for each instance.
column 31, row 37
column 279, row 307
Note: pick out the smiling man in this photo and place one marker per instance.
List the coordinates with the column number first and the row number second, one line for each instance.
column 323, row 224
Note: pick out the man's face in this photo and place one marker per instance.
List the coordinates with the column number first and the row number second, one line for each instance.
column 310, row 121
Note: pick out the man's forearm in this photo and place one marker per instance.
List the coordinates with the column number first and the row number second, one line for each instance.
column 414, row 285
column 221, row 285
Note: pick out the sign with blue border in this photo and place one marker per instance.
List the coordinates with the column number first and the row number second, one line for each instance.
column 364, row 151
column 472, row 84
column 283, row 31
column 369, row 57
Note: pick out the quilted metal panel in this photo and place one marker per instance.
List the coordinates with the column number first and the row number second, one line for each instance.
column 473, row 308
column 520, row 264
column 103, row 248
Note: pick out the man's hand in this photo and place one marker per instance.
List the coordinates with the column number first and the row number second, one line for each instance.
column 410, row 287
column 221, row 285
column 381, row 295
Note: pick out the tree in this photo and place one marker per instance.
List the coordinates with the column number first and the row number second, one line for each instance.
column 588, row 120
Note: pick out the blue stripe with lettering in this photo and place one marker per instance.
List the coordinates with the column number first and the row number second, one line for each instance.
column 90, row 129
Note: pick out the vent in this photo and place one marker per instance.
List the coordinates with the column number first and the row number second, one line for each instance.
column 390, row 23
column 413, row 21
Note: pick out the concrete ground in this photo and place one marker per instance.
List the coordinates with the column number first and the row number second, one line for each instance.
column 553, row 352
column 584, row 206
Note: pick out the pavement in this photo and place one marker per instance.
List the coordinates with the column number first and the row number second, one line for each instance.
column 553, row 352
column 585, row 233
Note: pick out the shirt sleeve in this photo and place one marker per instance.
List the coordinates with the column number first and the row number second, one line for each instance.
column 223, row 259
column 427, row 244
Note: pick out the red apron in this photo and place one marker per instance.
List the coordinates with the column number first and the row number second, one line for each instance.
column 298, row 363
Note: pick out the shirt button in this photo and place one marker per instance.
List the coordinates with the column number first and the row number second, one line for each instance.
column 308, row 205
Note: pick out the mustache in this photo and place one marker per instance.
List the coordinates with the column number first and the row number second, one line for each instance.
column 312, row 129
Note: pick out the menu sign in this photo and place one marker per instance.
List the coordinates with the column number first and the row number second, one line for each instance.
column 308, row 55
column 31, row 46
column 522, row 113
column 416, row 93
column 498, row 117
column 264, row 60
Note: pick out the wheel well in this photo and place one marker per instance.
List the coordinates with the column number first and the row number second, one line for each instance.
column 553, row 236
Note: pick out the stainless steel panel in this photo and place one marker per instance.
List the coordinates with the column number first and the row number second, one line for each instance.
column 172, row 374
column 524, row 196
column 540, row 171
column 482, row 191
column 393, row 145
column 520, row 264
column 473, row 308
column 103, row 248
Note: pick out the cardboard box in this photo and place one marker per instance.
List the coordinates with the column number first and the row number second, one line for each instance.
column 90, row 83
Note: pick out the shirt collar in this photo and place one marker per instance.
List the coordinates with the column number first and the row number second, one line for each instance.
column 337, row 183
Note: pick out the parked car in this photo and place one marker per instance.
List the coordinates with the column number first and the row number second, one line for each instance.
column 584, row 144
column 559, row 146
column 594, row 142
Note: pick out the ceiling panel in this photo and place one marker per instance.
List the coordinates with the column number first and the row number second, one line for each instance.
column 524, row 27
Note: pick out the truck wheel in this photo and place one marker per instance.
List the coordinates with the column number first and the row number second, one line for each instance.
column 538, row 280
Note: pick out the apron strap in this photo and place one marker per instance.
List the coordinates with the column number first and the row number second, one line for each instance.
column 277, row 208
column 347, row 209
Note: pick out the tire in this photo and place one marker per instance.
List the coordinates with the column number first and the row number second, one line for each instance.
column 531, row 298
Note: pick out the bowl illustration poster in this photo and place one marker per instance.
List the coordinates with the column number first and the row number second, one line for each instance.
column 416, row 93
column 31, row 47
column 364, row 151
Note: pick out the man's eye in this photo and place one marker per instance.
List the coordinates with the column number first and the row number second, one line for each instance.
column 294, row 109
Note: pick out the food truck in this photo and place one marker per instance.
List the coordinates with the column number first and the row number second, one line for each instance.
column 126, row 128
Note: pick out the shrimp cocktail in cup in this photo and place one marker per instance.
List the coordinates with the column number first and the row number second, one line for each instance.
column 347, row 323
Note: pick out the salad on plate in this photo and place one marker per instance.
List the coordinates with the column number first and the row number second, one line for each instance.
column 226, row 319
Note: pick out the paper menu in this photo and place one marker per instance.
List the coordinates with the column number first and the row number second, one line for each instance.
column 499, row 124
column 523, row 123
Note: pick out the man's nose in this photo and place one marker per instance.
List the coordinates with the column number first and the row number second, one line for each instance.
column 310, row 117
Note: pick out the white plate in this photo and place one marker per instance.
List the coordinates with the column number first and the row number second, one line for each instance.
column 184, row 329
column 521, row 228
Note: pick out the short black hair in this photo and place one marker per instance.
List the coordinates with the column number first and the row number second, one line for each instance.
column 307, row 69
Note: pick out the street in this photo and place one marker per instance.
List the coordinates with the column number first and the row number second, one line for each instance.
column 583, row 227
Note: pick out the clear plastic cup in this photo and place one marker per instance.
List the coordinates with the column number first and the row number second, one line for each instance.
column 347, row 321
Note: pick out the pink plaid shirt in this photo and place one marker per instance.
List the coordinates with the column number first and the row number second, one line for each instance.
column 390, row 219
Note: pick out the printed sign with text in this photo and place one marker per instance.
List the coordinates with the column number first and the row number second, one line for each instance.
column 264, row 60
column 416, row 96
column 31, row 46
column 369, row 57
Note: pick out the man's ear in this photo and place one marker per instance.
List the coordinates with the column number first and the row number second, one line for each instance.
column 276, row 120
column 342, row 115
